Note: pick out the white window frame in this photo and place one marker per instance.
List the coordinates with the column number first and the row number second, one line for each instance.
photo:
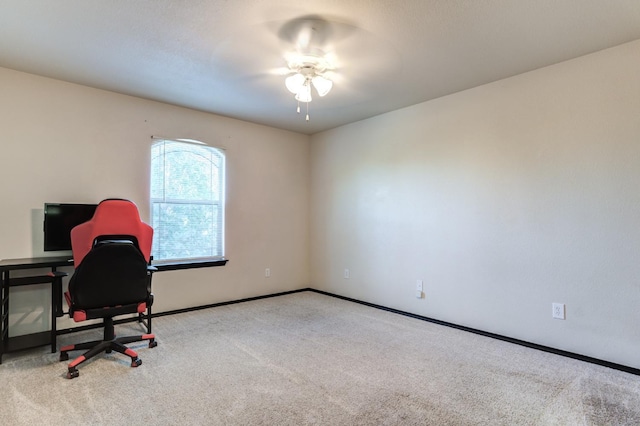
column 218, row 204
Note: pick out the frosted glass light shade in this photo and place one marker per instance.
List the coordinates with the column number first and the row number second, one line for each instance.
column 322, row 85
column 304, row 94
column 294, row 82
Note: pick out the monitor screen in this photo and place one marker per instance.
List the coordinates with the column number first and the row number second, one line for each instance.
column 60, row 219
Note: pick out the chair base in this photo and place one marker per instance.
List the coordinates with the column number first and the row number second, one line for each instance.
column 108, row 344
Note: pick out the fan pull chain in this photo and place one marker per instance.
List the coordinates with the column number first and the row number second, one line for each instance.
column 298, row 110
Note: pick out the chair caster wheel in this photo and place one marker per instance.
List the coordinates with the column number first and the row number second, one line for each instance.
column 64, row 356
column 135, row 362
column 153, row 343
column 72, row 373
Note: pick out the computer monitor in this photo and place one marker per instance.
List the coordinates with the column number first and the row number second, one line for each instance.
column 60, row 219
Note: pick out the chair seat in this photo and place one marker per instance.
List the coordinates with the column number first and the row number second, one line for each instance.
column 78, row 314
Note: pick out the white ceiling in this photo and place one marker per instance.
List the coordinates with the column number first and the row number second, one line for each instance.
column 224, row 56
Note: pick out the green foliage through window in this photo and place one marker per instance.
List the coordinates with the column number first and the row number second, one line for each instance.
column 187, row 200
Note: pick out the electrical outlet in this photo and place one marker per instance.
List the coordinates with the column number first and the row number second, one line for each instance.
column 558, row 311
column 267, row 272
column 419, row 285
column 347, row 274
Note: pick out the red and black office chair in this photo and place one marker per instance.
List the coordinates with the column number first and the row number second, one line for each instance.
column 111, row 254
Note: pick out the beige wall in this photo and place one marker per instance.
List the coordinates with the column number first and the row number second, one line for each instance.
column 69, row 143
column 503, row 199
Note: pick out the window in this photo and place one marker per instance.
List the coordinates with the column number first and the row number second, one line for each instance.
column 187, row 201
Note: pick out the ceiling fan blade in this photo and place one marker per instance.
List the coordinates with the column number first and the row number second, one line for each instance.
column 311, row 33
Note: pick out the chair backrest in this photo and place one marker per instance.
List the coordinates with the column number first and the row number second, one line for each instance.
column 113, row 273
column 111, row 253
column 113, row 217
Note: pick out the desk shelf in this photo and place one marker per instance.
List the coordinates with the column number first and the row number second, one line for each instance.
column 28, row 341
column 37, row 279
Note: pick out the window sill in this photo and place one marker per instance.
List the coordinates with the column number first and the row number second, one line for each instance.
column 187, row 264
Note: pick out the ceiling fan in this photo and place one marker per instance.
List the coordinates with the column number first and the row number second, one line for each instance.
column 312, row 60
column 310, row 55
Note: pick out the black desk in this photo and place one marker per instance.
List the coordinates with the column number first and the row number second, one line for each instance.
column 54, row 278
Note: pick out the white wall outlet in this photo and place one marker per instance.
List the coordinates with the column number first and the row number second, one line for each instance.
column 419, row 285
column 558, row 311
column 347, row 274
column 267, row 272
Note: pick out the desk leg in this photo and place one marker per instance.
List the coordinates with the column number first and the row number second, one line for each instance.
column 56, row 300
column 56, row 305
column 54, row 313
column 4, row 312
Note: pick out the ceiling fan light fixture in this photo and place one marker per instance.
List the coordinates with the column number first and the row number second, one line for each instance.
column 307, row 70
column 294, row 82
column 322, row 85
column 304, row 93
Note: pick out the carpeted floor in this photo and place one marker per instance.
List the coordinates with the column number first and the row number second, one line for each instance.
column 310, row 359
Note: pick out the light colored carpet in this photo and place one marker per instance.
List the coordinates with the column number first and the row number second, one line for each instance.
column 307, row 358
